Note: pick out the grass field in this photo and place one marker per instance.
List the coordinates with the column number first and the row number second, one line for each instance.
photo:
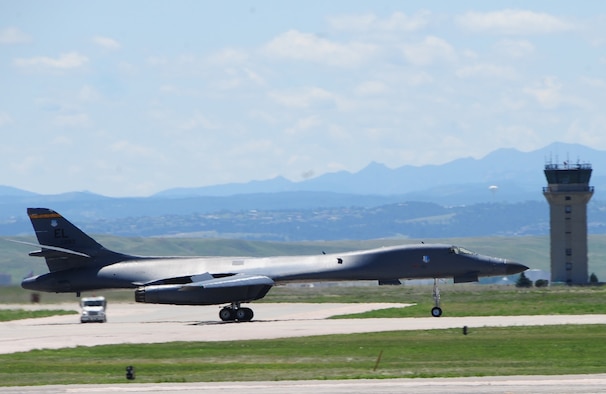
column 554, row 350
column 17, row 314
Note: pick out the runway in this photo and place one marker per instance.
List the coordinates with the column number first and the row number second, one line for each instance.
column 150, row 323
column 572, row 384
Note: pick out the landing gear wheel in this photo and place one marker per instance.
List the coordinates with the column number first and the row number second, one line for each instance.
column 235, row 313
column 227, row 314
column 436, row 311
column 244, row 314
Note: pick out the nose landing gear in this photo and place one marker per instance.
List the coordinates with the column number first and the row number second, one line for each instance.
column 436, row 311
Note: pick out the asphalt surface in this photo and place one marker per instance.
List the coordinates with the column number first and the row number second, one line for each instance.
column 149, row 323
column 575, row 384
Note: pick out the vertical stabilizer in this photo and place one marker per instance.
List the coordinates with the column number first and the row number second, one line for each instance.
column 65, row 246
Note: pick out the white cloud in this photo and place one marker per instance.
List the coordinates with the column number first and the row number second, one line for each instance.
column 25, row 165
column 236, row 78
column 12, row 35
column 597, row 83
column 521, row 136
column 512, row 22
column 228, row 56
column 88, row 93
column 157, row 60
column 428, row 51
column 398, row 21
column 127, row 68
column 252, row 147
column 170, row 89
column 588, row 132
column 304, row 99
column 253, row 76
column 125, row 146
column 309, row 47
column 486, row 71
column 304, row 124
column 5, row 119
column 417, row 79
column 106, row 42
column 197, row 121
column 65, row 61
column 515, row 48
column 72, row 120
column 371, row 88
column 62, row 140
column 547, row 92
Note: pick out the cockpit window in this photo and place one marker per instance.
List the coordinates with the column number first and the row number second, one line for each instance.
column 459, row 250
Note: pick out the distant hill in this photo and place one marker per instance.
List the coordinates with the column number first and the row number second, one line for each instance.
column 11, row 192
column 500, row 193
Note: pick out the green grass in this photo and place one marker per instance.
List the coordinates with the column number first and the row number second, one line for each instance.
column 17, row 314
column 456, row 300
column 500, row 301
column 16, row 295
column 553, row 350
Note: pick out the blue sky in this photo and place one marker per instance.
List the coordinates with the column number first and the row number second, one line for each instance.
column 128, row 98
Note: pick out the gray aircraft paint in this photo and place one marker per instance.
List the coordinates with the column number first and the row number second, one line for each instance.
column 78, row 263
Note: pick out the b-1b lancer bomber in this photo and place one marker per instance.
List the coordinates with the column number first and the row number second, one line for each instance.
column 79, row 263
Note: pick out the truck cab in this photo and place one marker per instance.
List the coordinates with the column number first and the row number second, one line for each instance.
column 93, row 309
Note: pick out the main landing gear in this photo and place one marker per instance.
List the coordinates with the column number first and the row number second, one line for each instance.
column 235, row 313
column 436, row 311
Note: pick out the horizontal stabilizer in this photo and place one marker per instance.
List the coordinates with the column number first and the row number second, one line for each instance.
column 47, row 250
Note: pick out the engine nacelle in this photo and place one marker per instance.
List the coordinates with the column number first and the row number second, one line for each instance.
column 198, row 295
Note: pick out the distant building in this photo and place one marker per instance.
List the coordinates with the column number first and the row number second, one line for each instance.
column 568, row 193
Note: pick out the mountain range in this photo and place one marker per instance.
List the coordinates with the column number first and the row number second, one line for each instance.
column 518, row 176
column 503, row 179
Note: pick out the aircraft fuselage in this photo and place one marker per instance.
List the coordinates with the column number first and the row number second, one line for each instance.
column 389, row 263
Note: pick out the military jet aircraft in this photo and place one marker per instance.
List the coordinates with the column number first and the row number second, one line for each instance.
column 79, row 263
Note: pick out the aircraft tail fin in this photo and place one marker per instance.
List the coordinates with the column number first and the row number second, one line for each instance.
column 65, row 246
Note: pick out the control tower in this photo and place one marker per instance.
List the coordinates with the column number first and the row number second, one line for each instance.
column 568, row 193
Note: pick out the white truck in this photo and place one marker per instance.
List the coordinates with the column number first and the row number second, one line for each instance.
column 93, row 309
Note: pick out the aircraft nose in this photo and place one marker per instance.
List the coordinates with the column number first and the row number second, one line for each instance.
column 514, row 268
